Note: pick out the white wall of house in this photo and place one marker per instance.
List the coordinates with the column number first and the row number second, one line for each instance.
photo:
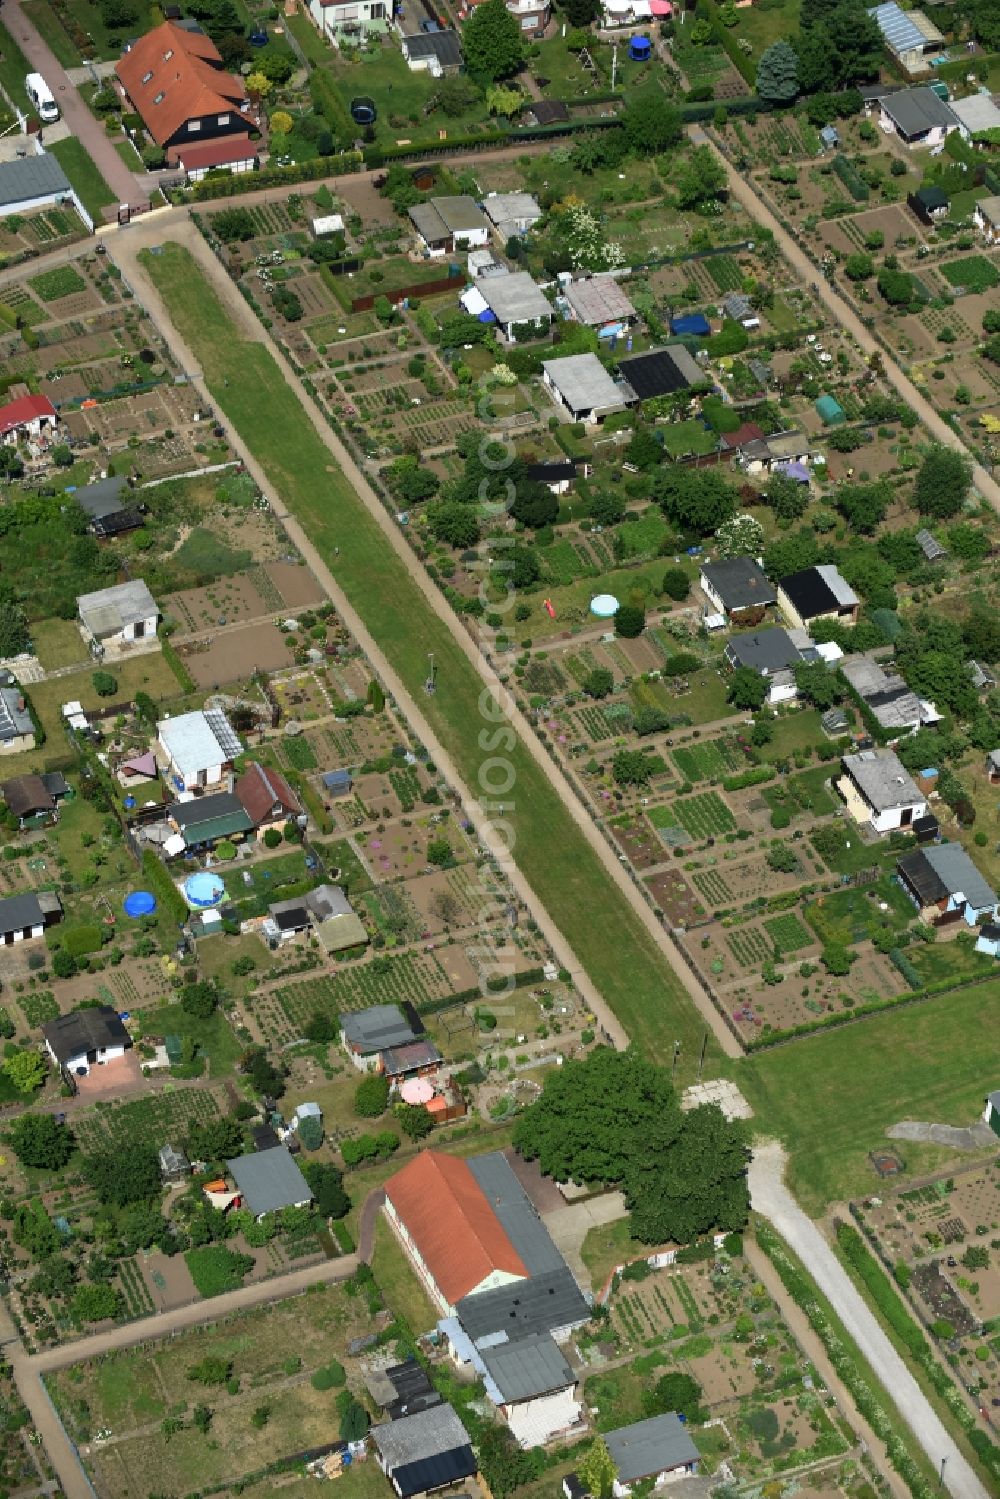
column 535, row 1422
column 882, row 822
column 195, row 174
column 712, row 594
column 986, row 227
column 24, row 934
column 781, row 692
column 104, row 1054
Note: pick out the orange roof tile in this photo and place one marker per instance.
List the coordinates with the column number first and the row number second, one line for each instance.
column 449, row 1218
column 172, row 76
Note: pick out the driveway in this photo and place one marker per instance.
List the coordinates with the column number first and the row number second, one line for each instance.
column 771, row 1197
column 87, row 130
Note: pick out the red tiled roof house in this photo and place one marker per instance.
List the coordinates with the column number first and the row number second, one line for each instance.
column 444, row 1221
column 176, row 81
column 28, row 416
column 267, row 798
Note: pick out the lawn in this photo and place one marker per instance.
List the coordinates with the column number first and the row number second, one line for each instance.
column 215, row 1037
column 564, row 871
column 92, row 190
column 397, row 1280
column 58, row 642
column 150, row 673
column 852, row 915
column 608, row 1245
column 831, row 1097
column 14, row 68
column 690, row 436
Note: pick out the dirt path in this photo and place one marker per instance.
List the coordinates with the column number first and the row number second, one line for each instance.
column 771, row 1197
column 176, row 226
column 741, row 188
column 83, row 125
column 811, row 1345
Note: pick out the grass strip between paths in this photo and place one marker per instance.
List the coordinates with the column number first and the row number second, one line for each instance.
column 594, row 916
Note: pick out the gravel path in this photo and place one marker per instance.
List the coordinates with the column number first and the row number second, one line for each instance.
column 772, row 1198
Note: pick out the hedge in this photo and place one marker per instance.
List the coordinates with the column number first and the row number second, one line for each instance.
column 848, row 175
column 753, row 777
column 327, row 101
column 845, row 1359
column 233, row 184
column 168, row 896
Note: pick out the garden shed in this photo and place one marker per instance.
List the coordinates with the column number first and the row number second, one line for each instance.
column 831, row 411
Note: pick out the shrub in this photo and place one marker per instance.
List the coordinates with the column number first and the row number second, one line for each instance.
column 371, row 1098
column 330, row 1377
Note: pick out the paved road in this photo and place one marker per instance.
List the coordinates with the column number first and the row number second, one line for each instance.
column 771, row 1197
column 127, row 186
column 175, row 225
column 742, row 189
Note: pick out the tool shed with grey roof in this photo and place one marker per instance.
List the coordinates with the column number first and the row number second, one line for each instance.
column 126, row 611
column 366, row 1032
column 662, row 1444
column 885, row 786
column 512, row 212
column 515, row 298
column 583, row 386
column 423, row 1452
column 16, row 726
column 943, row 875
column 269, row 1180
column 916, row 112
column 32, row 182
column 764, row 651
column 598, row 299
column 441, row 49
column 526, row 1369
column 735, row 584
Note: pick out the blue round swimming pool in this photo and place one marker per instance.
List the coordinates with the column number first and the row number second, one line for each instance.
column 203, row 889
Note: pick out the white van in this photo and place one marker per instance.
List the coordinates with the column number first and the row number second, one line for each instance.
column 40, row 95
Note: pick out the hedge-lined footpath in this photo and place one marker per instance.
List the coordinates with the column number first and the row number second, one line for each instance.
column 845, row 1358
column 896, row 1314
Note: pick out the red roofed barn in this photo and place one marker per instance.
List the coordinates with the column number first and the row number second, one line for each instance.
column 175, row 80
column 448, row 1228
column 267, row 798
column 28, row 416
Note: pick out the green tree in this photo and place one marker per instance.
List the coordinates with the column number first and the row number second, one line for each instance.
column 327, row 1186
column 311, row 1133
column 121, row 1177
column 534, row 505
column 778, row 74
column 839, row 44
column 105, row 684
column 651, row 124
column 896, row 286
column 781, row 857
column 14, row 635
column 747, row 689
column 504, row 101
column 633, row 768
column 200, row 999
column 454, row 523
column 439, row 853
column 676, row 1392
column 94, row 1303
column 491, row 41
column 702, row 178
column 837, row 959
column 817, row 684
column 597, row 1470
column 354, row 1421
column 599, row 682
column 787, row 499
column 215, row 1139
column 371, row 1097
column 859, row 266
column 863, row 506
column 614, row 1118
column 943, row 482
column 414, row 1121
column 39, row 1140
column 26, row 1070
column 676, row 584
column 630, row 621
column 693, row 499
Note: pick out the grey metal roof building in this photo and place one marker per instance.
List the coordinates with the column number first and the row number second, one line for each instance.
column 31, row 177
column 650, row 1447
column 517, row 211
column 108, row 611
column 882, row 779
column 740, row 582
column 101, row 498
column 598, row 299
column 584, row 386
column 515, row 298
column 542, row 1304
column 424, row 1451
column 445, row 46
column 915, row 111
column 886, row 695
column 526, row 1369
column 766, row 651
column 943, row 870
column 380, row 1026
column 269, row 1180
column 517, row 1215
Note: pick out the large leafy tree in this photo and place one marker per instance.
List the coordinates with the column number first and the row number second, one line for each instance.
column 778, row 74
column 746, row 690
column 702, row 178
column 693, row 499
column 121, row 1177
column 38, row 1140
column 651, row 124
column 614, row 1118
column 598, row 1471
column 839, row 44
column 942, row 483
column 491, row 40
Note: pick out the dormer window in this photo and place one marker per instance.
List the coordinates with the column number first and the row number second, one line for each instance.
column 168, row 54
column 146, row 77
column 158, row 98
